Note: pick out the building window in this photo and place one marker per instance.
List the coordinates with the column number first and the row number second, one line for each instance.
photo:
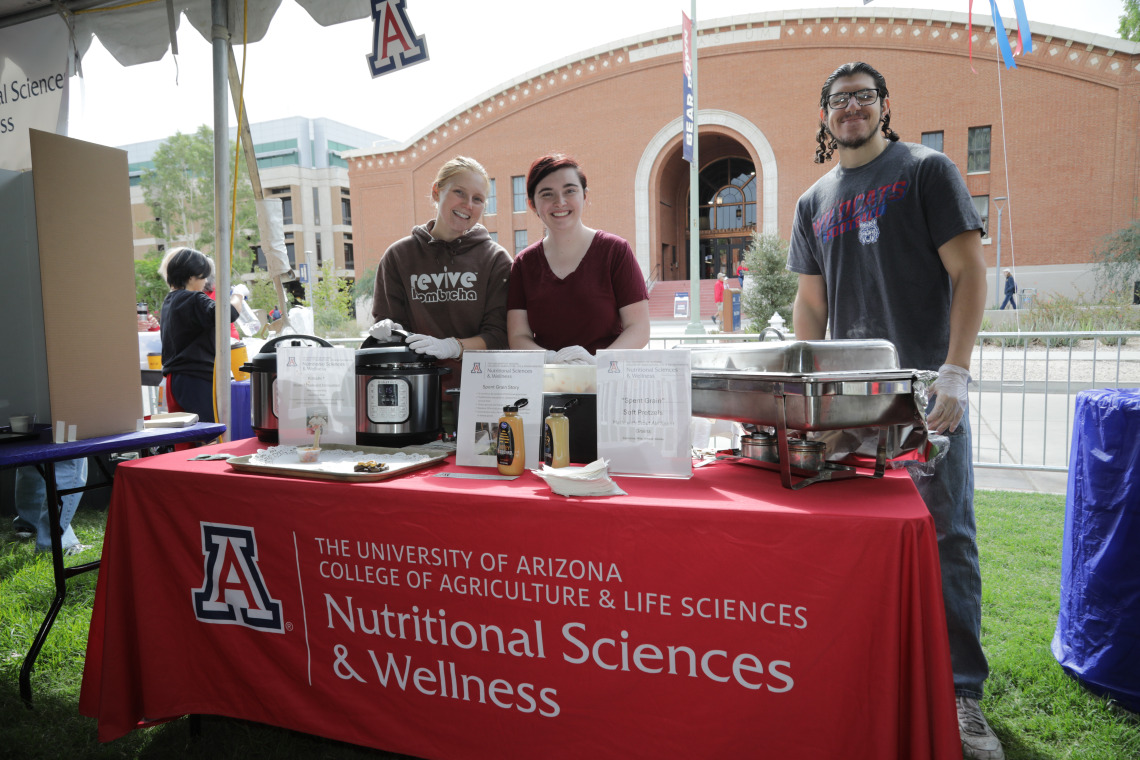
column 286, row 210
column 316, row 207
column 982, row 204
column 320, row 259
column 492, row 204
column 349, row 262
column 345, row 211
column 520, row 240
column 728, row 191
column 518, row 186
column 932, row 140
column 978, row 156
column 291, row 251
column 494, row 236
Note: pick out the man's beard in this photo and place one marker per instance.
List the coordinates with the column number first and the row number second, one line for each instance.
column 858, row 142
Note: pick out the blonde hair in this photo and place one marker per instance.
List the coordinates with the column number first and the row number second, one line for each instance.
column 457, row 165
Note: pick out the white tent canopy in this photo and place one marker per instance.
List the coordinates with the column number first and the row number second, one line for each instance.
column 143, row 34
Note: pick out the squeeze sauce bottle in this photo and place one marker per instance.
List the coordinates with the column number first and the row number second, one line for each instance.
column 556, row 436
column 510, row 450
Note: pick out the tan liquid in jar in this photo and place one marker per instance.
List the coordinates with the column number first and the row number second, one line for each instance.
column 556, row 438
column 510, row 449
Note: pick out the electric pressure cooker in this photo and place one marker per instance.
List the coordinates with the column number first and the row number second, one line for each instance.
column 397, row 394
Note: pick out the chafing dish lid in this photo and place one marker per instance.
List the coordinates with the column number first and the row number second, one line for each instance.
column 798, row 356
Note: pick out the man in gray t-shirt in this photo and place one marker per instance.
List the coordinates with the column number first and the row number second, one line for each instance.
column 887, row 245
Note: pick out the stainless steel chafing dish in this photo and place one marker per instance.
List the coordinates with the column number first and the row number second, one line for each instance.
column 802, row 387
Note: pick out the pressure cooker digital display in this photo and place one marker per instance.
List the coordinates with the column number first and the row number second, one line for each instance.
column 388, row 400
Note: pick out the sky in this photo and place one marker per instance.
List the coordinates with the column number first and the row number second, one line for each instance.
column 303, row 69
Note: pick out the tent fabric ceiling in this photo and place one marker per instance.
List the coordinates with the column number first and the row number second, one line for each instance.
column 141, row 34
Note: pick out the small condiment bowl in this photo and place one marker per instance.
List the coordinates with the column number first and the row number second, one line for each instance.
column 309, row 455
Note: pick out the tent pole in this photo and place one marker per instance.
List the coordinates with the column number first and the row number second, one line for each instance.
column 219, row 36
column 251, row 163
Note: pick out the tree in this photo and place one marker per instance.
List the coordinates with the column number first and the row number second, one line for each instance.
column 770, row 286
column 1130, row 21
column 331, row 301
column 1118, row 266
column 150, row 288
column 180, row 193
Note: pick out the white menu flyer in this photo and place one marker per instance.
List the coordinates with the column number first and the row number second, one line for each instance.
column 644, row 410
column 316, row 387
column 491, row 380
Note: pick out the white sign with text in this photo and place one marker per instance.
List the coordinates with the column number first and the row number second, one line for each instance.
column 644, row 410
column 491, row 380
column 316, row 387
column 33, row 86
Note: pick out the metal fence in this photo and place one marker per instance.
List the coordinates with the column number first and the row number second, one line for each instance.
column 1025, row 388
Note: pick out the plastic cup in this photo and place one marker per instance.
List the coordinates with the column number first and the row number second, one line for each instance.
column 22, row 423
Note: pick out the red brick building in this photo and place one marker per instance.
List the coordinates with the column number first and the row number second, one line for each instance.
column 1057, row 137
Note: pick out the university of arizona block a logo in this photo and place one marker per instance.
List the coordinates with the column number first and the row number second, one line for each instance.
column 394, row 41
column 233, row 591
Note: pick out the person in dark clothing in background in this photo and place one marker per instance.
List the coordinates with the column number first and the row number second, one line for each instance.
column 188, row 333
column 1010, row 291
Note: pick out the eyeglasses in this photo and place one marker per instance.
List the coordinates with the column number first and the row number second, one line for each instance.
column 839, row 100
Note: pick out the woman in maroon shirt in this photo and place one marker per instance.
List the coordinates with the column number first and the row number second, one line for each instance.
column 577, row 290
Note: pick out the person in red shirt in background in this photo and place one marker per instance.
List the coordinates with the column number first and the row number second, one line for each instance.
column 718, row 296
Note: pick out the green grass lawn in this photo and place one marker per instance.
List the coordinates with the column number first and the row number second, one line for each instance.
column 1038, row 711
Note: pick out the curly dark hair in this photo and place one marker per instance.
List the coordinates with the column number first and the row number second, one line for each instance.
column 823, row 137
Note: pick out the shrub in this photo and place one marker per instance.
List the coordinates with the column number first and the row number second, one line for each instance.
column 770, row 286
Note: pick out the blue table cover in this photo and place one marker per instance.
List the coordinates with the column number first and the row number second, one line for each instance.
column 1097, row 639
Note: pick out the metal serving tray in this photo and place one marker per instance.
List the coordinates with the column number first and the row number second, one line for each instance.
column 798, row 356
column 806, row 401
column 315, row 471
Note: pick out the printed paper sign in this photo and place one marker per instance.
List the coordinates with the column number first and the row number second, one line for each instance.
column 490, row 381
column 316, row 388
column 644, row 410
column 33, row 86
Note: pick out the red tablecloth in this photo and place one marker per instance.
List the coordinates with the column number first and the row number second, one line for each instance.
column 722, row 616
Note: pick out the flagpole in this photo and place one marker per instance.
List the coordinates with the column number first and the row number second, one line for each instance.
column 694, row 327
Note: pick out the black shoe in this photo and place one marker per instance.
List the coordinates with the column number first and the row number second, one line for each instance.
column 23, row 533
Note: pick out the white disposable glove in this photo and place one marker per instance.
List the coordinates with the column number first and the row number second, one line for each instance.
column 950, row 401
column 573, row 355
column 240, row 290
column 382, row 330
column 440, row 348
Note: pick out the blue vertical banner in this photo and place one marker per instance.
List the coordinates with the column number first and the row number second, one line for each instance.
column 1002, row 37
column 688, row 117
column 1024, row 35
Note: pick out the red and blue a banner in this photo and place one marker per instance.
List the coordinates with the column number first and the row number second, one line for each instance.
column 688, row 107
column 394, row 41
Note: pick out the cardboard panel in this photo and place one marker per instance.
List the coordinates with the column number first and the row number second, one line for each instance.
column 83, row 219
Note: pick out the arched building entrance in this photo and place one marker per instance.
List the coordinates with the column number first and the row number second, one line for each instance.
column 738, row 194
column 727, row 215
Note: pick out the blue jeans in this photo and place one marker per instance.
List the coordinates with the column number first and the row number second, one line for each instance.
column 949, row 495
column 1008, row 302
column 31, row 500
